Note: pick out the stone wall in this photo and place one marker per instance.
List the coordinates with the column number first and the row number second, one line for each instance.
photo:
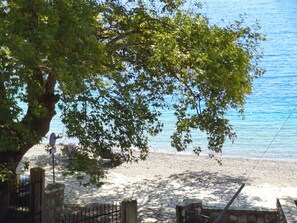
column 53, row 203
column 280, row 213
column 242, row 215
column 287, row 210
column 231, row 216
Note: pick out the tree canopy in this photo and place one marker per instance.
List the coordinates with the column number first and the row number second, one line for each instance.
column 110, row 65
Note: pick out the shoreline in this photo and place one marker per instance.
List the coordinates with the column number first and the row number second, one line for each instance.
column 186, row 153
column 190, row 152
column 165, row 180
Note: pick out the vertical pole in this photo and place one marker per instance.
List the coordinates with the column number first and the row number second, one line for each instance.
column 52, row 142
column 53, row 157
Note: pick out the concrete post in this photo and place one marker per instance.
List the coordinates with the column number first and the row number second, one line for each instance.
column 37, row 185
column 129, row 211
column 54, row 203
column 194, row 205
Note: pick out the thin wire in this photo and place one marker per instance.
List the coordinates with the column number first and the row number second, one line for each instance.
column 268, row 147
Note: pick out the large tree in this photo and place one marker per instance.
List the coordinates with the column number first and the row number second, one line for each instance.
column 110, row 67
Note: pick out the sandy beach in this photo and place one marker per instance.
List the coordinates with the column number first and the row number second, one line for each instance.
column 165, row 180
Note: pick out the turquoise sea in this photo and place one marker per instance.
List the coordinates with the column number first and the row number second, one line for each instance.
column 270, row 121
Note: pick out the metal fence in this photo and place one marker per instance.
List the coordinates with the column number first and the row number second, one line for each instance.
column 15, row 201
column 103, row 213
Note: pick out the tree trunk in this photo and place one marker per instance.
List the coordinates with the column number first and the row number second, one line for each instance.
column 37, row 125
column 19, row 137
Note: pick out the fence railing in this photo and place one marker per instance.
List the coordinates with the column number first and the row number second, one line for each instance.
column 28, row 202
column 15, row 200
column 103, row 213
column 15, row 195
column 19, row 200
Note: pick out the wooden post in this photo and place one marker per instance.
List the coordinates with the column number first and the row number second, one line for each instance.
column 129, row 211
column 37, row 185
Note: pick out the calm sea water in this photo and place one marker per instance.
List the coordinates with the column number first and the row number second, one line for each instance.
column 270, row 116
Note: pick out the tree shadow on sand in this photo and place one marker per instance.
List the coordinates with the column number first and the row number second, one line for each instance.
column 157, row 198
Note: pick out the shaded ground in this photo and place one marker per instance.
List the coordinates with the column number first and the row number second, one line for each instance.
column 165, row 180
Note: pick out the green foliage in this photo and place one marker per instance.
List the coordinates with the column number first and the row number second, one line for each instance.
column 5, row 173
column 110, row 65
